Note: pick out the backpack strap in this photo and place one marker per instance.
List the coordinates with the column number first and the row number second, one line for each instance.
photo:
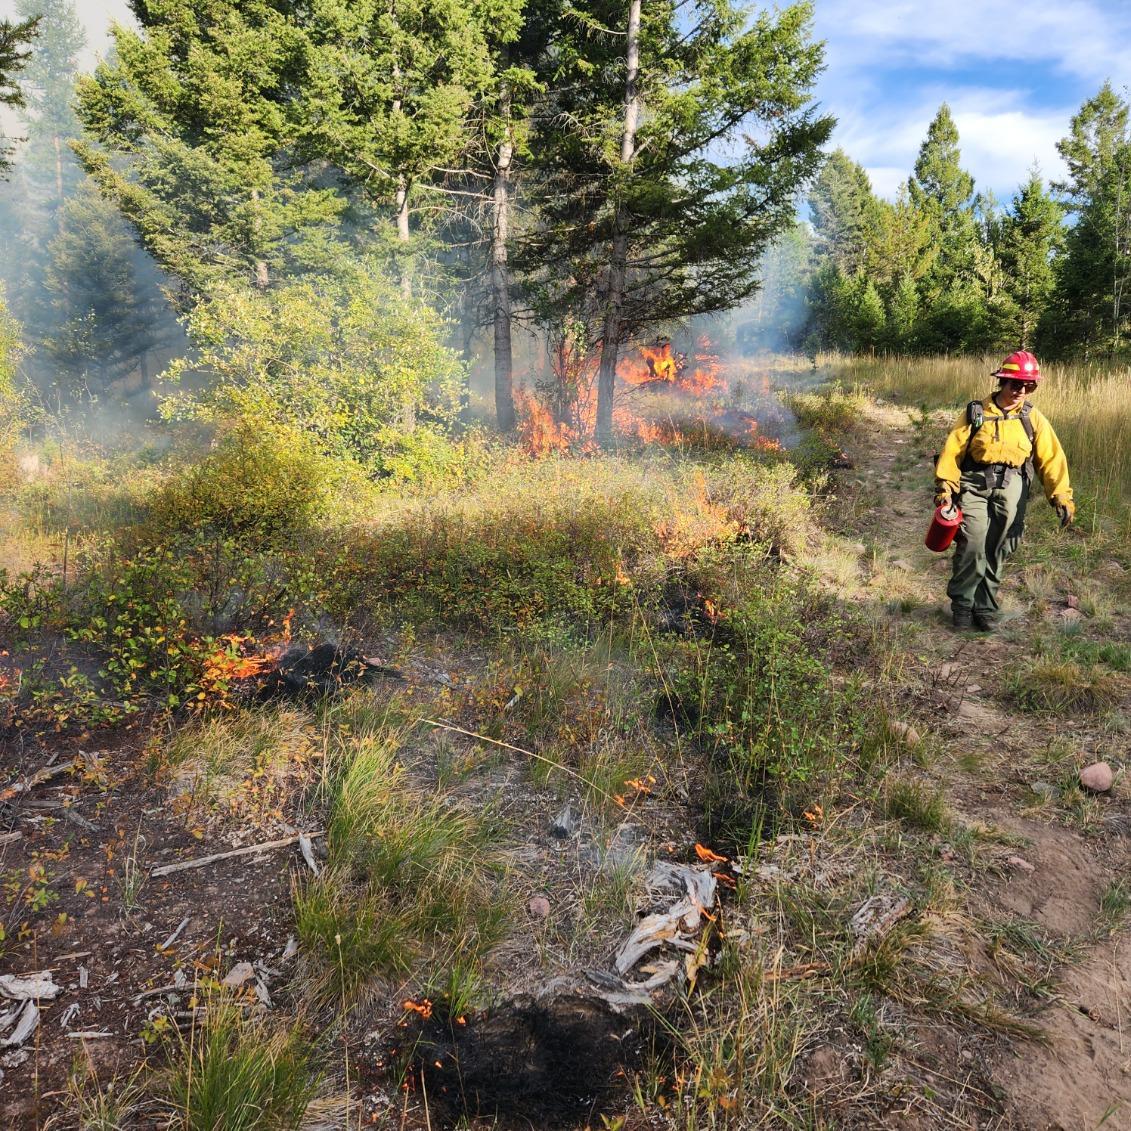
column 975, row 417
column 1029, row 467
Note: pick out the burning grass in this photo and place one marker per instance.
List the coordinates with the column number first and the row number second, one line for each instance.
column 566, row 543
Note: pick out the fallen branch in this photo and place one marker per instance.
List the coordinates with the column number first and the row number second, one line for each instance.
column 791, row 973
column 9, row 838
column 176, row 934
column 249, row 850
column 46, row 773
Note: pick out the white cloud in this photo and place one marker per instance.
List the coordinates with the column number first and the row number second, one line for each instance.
column 1086, row 38
column 999, row 139
column 1013, row 77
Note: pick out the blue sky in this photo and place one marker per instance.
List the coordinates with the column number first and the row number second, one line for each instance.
column 1013, row 75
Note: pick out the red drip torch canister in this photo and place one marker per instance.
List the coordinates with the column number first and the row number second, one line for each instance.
column 944, row 526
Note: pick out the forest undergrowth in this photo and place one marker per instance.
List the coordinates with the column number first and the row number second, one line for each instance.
column 569, row 669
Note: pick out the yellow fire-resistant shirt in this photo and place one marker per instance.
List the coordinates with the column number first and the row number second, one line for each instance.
column 1002, row 439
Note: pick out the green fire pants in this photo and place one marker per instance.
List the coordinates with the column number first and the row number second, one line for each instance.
column 993, row 519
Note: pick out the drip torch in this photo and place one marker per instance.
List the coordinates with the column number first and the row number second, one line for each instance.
column 944, row 526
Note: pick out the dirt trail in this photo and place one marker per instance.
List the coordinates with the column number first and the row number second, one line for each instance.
column 1015, row 771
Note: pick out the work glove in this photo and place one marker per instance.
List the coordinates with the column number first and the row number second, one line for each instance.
column 1066, row 509
column 944, row 498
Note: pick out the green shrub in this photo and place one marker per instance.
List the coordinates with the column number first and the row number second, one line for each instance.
column 261, row 484
column 759, row 696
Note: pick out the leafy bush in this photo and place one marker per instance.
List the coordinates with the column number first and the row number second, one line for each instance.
column 759, row 696
column 342, row 356
column 261, row 484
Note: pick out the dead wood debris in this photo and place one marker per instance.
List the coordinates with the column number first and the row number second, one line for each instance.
column 248, row 850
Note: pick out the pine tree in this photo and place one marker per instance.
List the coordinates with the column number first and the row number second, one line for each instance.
column 110, row 311
column 46, row 170
column 49, row 79
column 15, row 50
column 951, row 290
column 1025, row 242
column 641, row 219
column 193, row 141
column 1089, row 311
column 845, row 212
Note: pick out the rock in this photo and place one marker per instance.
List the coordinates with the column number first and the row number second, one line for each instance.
column 1043, row 789
column 1072, row 601
column 239, row 974
column 905, row 733
column 539, row 907
column 900, row 564
column 1019, row 864
column 1097, row 778
column 566, row 823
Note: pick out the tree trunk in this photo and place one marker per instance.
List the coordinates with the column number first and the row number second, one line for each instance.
column 408, row 412
column 403, row 236
column 500, row 278
column 618, row 265
column 58, row 173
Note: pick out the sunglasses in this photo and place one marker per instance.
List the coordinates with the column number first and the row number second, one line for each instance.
column 1023, row 386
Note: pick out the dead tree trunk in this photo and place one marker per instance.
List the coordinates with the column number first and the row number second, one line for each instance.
column 500, row 277
column 618, row 263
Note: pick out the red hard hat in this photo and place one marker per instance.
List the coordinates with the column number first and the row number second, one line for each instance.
column 1020, row 365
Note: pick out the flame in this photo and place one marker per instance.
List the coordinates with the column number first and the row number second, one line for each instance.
column 708, row 857
column 422, row 1007
column 653, row 383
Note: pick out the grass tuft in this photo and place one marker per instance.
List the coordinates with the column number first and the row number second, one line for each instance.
column 240, row 1075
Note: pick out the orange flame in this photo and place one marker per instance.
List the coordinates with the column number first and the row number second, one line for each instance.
column 568, row 427
column 423, row 1007
column 707, row 856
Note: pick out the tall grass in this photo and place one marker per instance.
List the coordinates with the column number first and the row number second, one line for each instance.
column 1088, row 405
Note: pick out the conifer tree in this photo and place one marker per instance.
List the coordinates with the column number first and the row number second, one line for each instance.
column 641, row 219
column 15, row 50
column 193, row 142
column 1090, row 309
column 109, row 310
column 1025, row 242
column 943, row 192
column 845, row 212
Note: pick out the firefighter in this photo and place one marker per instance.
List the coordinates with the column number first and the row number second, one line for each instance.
column 990, row 458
